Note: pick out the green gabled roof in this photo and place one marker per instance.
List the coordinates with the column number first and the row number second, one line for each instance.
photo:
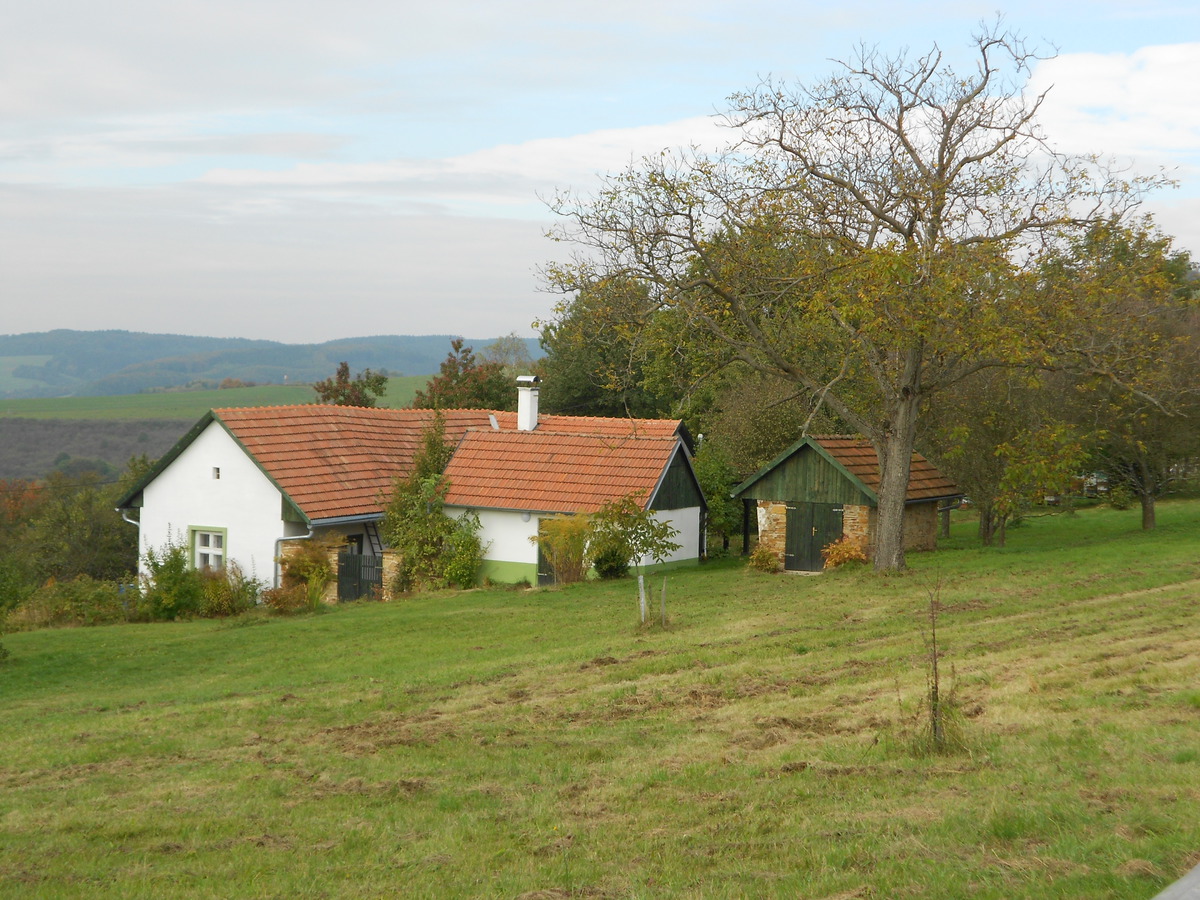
column 855, row 460
column 743, row 490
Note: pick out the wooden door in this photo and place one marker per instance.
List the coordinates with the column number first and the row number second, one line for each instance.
column 810, row 527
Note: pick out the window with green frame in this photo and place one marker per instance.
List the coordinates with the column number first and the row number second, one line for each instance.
column 209, row 546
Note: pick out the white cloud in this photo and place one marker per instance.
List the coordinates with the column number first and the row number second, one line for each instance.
column 263, row 161
column 1143, row 105
column 509, row 179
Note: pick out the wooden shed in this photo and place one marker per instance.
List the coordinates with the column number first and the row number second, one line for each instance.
column 821, row 489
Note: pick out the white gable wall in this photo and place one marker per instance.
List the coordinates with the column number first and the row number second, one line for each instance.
column 242, row 503
column 687, row 523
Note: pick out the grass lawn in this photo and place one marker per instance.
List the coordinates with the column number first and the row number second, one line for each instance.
column 189, row 405
column 541, row 744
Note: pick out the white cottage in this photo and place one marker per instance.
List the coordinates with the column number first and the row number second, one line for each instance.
column 243, row 483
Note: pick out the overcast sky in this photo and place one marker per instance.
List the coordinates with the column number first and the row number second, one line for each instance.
column 308, row 170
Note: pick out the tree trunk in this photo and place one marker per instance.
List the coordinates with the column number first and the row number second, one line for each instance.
column 987, row 523
column 1148, row 511
column 895, row 451
column 1145, row 490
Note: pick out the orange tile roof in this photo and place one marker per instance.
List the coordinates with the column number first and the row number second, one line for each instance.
column 335, row 461
column 338, row 460
column 858, row 456
column 612, row 425
column 548, row 471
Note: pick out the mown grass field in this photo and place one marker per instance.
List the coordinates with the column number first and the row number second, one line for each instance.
column 542, row 744
column 187, row 405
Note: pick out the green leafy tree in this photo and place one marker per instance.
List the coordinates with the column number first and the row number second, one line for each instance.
column 717, row 479
column 432, row 549
column 596, row 353
column 982, row 426
column 76, row 531
column 467, row 382
column 363, row 389
column 1039, row 463
column 637, row 533
column 1136, row 357
column 866, row 238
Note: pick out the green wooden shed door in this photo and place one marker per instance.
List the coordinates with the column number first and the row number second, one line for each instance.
column 810, row 526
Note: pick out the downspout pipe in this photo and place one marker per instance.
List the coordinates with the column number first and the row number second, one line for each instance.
column 278, row 574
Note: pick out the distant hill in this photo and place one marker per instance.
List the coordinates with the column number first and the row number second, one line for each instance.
column 65, row 363
column 39, row 435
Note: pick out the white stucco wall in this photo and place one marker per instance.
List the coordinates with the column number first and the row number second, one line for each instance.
column 687, row 523
column 242, row 501
column 508, row 535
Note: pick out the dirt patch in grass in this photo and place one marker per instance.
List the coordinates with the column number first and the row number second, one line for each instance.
column 599, row 661
column 1138, row 868
column 805, row 725
column 367, row 738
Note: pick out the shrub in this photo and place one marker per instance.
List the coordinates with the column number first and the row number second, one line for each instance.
column 61, row 604
column 563, row 542
column 1120, row 497
column 286, row 601
column 763, row 560
column 309, row 565
column 609, row 540
column 227, row 593
column 612, row 561
column 464, row 551
column 843, row 551
column 171, row 588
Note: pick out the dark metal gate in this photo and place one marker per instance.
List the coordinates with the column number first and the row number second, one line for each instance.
column 359, row 576
column 810, row 527
column 545, row 570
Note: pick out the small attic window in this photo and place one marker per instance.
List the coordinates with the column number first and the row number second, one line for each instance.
column 216, row 473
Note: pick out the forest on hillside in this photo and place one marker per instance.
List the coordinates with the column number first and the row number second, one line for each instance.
column 97, row 363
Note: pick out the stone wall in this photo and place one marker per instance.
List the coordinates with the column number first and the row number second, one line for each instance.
column 772, row 528
column 920, row 526
column 857, row 522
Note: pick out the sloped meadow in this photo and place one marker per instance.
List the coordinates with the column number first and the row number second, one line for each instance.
column 771, row 740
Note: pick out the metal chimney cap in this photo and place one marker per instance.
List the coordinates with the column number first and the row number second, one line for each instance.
column 528, row 379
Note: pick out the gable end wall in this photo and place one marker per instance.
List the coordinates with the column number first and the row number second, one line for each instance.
column 242, row 501
column 808, row 477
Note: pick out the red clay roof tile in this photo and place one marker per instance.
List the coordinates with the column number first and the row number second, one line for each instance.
column 335, row 461
column 858, row 456
column 554, row 471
